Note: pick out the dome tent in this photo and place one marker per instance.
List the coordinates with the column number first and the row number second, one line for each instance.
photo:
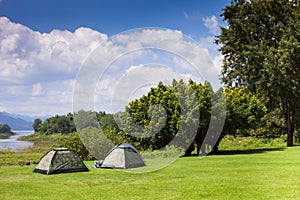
column 60, row 160
column 123, row 156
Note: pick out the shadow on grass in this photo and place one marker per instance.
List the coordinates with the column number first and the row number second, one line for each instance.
column 249, row 151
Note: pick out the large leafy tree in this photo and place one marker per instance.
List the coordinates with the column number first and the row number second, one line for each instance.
column 261, row 48
column 151, row 121
column 186, row 115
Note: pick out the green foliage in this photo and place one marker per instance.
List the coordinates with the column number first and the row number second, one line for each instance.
column 155, row 133
column 245, row 114
column 169, row 151
column 95, row 142
column 152, row 121
column 73, row 142
column 250, row 143
column 63, row 124
column 274, row 126
column 89, row 143
column 85, row 119
column 261, row 53
column 42, row 143
column 37, row 125
column 179, row 114
column 109, row 127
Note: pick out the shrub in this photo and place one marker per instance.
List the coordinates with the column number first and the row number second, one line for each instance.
column 168, row 151
column 73, row 142
column 89, row 144
column 96, row 142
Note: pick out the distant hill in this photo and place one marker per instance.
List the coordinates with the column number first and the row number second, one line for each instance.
column 15, row 121
column 26, row 117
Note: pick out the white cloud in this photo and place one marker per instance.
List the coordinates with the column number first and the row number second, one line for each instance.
column 212, row 48
column 218, row 61
column 139, row 79
column 175, row 55
column 38, row 70
column 209, row 43
column 211, row 23
column 28, row 56
column 32, row 63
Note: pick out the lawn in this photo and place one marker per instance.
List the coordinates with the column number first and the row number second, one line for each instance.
column 250, row 174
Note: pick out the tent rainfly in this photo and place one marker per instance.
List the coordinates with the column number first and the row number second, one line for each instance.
column 123, row 156
column 60, row 160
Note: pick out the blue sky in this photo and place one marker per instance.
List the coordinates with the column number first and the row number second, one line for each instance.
column 44, row 43
column 113, row 16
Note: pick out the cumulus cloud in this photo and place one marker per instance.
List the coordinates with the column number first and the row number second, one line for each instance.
column 38, row 71
column 113, row 94
column 122, row 75
column 28, row 56
column 30, row 59
column 211, row 23
column 139, row 79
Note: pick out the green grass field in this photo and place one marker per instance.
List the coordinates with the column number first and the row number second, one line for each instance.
column 250, row 174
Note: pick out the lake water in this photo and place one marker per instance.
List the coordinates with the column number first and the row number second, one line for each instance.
column 11, row 143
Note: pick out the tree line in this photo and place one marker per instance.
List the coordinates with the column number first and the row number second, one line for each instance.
column 150, row 127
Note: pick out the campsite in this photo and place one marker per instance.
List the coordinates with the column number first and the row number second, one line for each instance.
column 169, row 99
column 249, row 172
column 259, row 174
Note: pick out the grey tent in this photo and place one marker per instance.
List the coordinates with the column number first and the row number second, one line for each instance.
column 60, row 160
column 123, row 156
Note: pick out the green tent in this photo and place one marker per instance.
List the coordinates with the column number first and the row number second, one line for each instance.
column 123, row 156
column 60, row 160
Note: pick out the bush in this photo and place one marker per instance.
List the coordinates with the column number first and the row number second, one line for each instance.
column 168, row 151
column 243, row 143
column 73, row 142
column 89, row 144
column 96, row 142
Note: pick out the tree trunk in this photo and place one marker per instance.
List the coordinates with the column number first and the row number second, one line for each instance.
column 199, row 140
column 289, row 125
column 216, row 147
